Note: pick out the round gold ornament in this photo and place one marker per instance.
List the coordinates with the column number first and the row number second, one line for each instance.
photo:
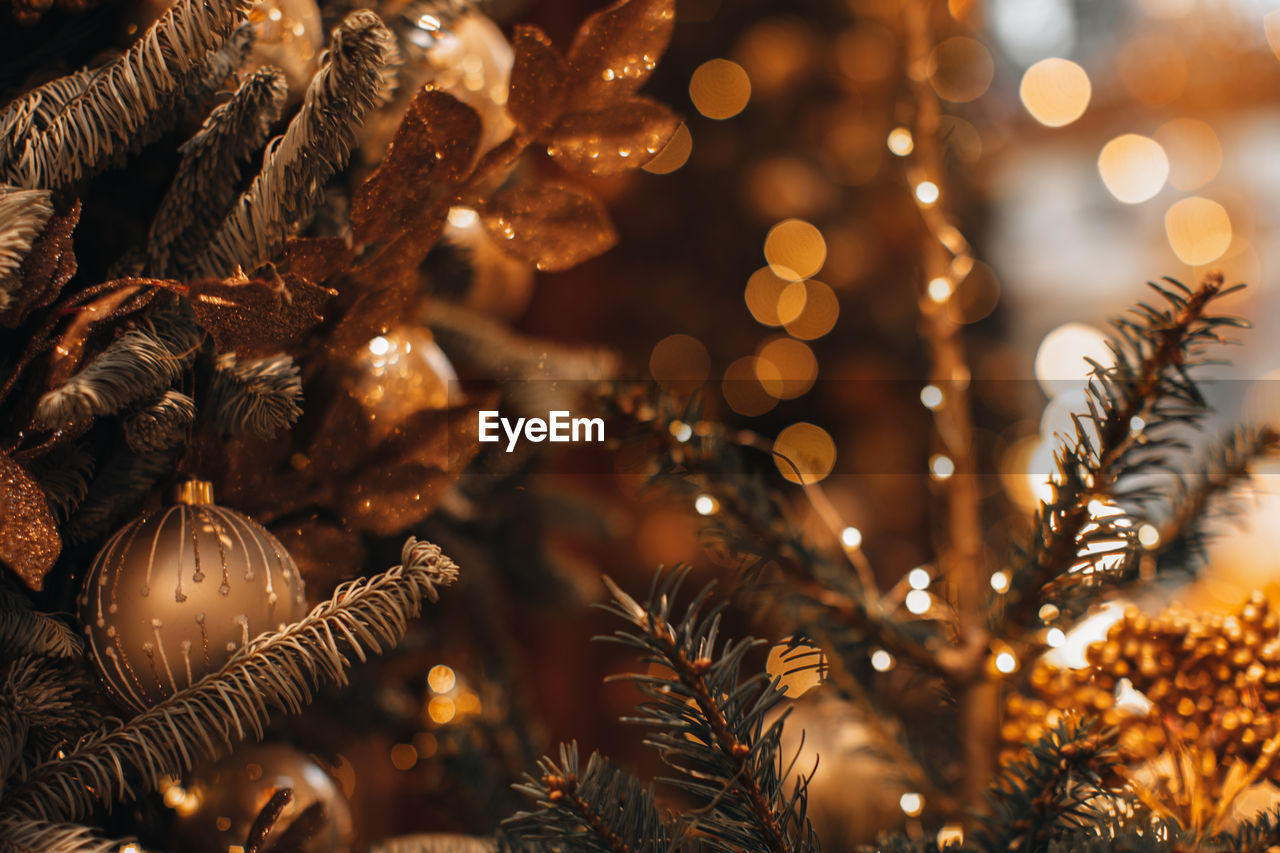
column 217, row 803
column 173, row 594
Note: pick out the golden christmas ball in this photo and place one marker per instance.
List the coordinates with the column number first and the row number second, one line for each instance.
column 217, row 804
column 401, row 373
column 173, row 594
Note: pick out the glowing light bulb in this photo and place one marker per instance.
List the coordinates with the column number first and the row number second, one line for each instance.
column 918, row 602
column 931, row 396
column 705, row 505
column 900, row 141
column 1000, row 581
column 881, row 661
column 940, row 289
column 681, row 430
column 919, row 578
column 1006, row 662
column 942, row 467
column 927, row 192
column 1055, row 637
column 911, row 804
column 379, row 345
column 1148, row 536
column 851, row 537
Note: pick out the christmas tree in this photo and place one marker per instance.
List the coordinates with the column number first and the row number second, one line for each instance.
column 265, row 284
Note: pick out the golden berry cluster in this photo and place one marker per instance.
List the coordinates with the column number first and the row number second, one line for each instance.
column 1210, row 681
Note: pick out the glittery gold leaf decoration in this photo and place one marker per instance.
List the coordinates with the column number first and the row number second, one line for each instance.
column 614, row 139
column 119, row 300
column 29, row 541
column 432, row 149
column 616, row 49
column 539, row 81
column 551, row 225
column 47, row 267
column 257, row 316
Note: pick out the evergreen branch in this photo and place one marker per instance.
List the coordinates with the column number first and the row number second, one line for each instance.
column 23, row 214
column 123, row 102
column 117, row 490
column 141, row 363
column 38, row 836
column 290, row 186
column 1136, row 407
column 604, row 810
column 709, row 724
column 162, row 423
column 1055, row 788
column 43, row 706
column 37, row 108
column 279, row 670
column 64, row 477
column 1225, row 466
column 24, row 631
column 259, row 396
column 204, row 187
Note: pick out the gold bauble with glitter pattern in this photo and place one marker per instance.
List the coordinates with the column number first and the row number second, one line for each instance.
column 173, row 594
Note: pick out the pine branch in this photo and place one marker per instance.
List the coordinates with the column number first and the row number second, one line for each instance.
column 259, row 396
column 24, row 631
column 36, row 836
column 118, row 489
column 1054, row 789
column 709, row 724
column 37, row 109
column 123, row 102
column 1136, row 408
column 604, row 810
column 204, row 188
column 276, row 671
column 315, row 146
column 23, row 214
column 160, row 424
column 43, row 704
column 141, row 363
column 64, row 477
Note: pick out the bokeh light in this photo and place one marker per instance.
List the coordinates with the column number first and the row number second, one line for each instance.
column 1055, row 91
column 1195, row 154
column 764, row 290
column 808, row 309
column 900, row 141
column 441, row 679
column 678, row 361
column 786, row 368
column 404, row 756
column 804, row 453
column 961, row 69
column 795, row 249
column 1062, row 358
column 674, row 154
column 741, row 386
column 976, row 296
column 927, row 192
column 1133, row 168
column 1199, row 230
column 720, row 88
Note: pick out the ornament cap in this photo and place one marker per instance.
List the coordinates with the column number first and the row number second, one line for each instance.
column 194, row 493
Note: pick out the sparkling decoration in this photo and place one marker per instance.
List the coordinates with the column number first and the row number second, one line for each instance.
column 29, row 541
column 287, row 34
column 1202, row 684
column 173, row 595
column 216, row 805
column 401, row 373
column 500, row 284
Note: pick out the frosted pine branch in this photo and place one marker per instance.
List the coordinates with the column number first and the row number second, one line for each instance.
column 290, row 186
column 141, row 363
column 162, row 423
column 24, row 631
column 278, row 671
column 117, row 490
column 23, row 213
column 204, row 188
column 27, row 835
column 37, row 109
column 259, row 396
column 124, row 98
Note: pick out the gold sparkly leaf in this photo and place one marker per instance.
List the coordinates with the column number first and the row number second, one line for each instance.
column 123, row 298
column 29, row 541
column 615, row 50
column 432, row 149
column 539, row 80
column 257, row 316
column 373, row 313
column 48, row 266
column 614, row 139
column 553, row 226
